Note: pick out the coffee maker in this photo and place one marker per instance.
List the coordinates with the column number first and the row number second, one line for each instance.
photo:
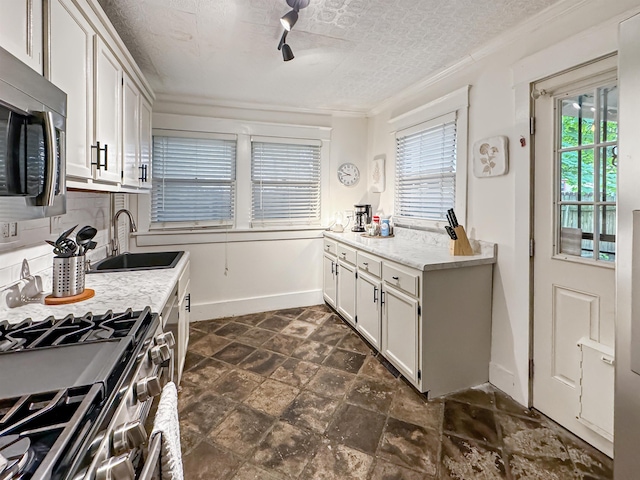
column 362, row 217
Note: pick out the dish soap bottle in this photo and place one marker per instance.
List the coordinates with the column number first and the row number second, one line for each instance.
column 384, row 228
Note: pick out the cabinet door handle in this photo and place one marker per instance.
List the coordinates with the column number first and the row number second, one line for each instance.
column 98, row 150
column 381, row 298
column 375, row 294
column 332, row 269
column 365, row 264
column 188, row 307
column 396, row 278
column 336, row 269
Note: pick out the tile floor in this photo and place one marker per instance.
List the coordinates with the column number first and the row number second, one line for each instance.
column 297, row 394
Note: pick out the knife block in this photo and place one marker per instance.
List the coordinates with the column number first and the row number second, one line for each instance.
column 461, row 246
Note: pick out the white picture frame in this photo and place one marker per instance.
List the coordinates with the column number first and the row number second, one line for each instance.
column 491, row 157
column 377, row 174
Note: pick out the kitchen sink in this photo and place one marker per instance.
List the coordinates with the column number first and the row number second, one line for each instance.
column 126, row 262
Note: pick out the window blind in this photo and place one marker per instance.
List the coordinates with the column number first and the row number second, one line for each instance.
column 426, row 169
column 285, row 182
column 193, row 180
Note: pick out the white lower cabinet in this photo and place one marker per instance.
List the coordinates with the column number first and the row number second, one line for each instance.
column 400, row 331
column 347, row 291
column 329, row 280
column 184, row 309
column 368, row 296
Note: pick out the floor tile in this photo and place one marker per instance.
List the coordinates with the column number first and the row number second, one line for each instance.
column 311, row 411
column 272, row 397
column 252, row 319
column 506, row 404
column 207, row 462
column 466, row 459
column 587, row 459
column 234, row 353
column 371, row 394
column 384, row 470
column 298, row 328
column 523, row 468
column 480, row 396
column 189, row 438
column 262, row 362
column 295, row 372
column 274, row 323
column 469, row 421
column 205, row 373
column 283, row 344
column 255, row 336
column 353, row 342
column 290, row 312
column 334, row 319
column 338, row 462
column 328, row 335
column 237, row 384
column 191, row 359
column 345, row 360
column 209, row 344
column 373, row 368
column 411, row 446
column 357, row 428
column 232, row 330
column 205, row 412
column 331, row 383
column 411, row 407
column 195, row 335
column 286, row 449
column 531, row 438
column 241, row 430
column 251, row 472
column 312, row 315
column 211, row 326
column 312, row 352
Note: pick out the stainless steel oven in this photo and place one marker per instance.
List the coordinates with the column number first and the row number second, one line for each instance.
column 32, row 143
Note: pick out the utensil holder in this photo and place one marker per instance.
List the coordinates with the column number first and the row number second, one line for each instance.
column 68, row 276
column 461, row 246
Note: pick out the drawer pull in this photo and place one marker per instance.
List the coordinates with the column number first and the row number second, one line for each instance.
column 396, row 278
column 344, row 254
column 607, row 360
column 365, row 264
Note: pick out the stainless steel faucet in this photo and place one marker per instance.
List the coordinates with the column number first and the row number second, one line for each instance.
column 115, row 244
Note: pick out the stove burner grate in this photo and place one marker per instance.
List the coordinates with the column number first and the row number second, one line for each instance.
column 67, row 331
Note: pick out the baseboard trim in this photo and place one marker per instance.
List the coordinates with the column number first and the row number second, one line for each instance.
column 245, row 306
column 503, row 379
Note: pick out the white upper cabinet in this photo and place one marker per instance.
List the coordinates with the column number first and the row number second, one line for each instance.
column 108, row 100
column 71, row 69
column 107, row 153
column 21, row 30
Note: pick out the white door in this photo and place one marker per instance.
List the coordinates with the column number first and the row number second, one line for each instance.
column 108, row 81
column 71, row 70
column 368, row 304
column 400, row 331
column 329, row 279
column 21, row 31
column 130, row 133
column 574, row 230
column 346, row 300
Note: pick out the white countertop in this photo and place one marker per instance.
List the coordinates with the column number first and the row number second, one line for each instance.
column 115, row 291
column 418, row 249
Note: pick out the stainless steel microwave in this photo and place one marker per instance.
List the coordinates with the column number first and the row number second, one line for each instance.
column 32, row 143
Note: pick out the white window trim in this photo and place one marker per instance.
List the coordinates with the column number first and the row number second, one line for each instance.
column 456, row 102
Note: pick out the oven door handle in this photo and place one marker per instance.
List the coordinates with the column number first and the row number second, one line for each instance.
column 153, row 458
column 48, row 194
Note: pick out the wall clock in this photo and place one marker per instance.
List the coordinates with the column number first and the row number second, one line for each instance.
column 348, row 174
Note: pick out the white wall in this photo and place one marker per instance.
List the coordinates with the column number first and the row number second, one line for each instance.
column 498, row 209
column 243, row 270
column 83, row 208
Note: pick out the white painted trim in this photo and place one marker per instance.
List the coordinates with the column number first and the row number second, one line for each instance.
column 244, row 306
column 502, row 378
column 203, row 236
column 456, row 100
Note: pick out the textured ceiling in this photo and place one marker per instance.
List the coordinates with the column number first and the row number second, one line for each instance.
column 350, row 54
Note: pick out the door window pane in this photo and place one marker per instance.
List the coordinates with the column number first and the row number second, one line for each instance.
column 607, row 228
column 608, row 174
column 577, row 120
column 576, row 231
column 609, row 114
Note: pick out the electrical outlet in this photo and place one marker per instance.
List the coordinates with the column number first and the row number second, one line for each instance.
column 55, row 225
column 5, row 230
column 13, row 229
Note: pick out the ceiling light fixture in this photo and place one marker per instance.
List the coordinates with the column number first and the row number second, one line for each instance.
column 288, row 20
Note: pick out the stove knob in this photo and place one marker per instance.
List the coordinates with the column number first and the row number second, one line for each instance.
column 147, row 388
column 116, row 468
column 160, row 354
column 166, row 339
column 128, row 436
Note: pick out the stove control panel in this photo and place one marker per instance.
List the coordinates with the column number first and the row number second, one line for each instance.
column 148, row 387
column 116, row 468
column 129, row 436
column 165, row 339
column 160, row 353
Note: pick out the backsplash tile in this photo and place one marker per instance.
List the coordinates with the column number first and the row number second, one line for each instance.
column 83, row 208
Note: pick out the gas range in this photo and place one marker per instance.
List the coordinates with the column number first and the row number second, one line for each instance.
column 75, row 393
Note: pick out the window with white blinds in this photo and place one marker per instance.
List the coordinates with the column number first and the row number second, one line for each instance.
column 285, row 182
column 194, row 179
column 426, row 169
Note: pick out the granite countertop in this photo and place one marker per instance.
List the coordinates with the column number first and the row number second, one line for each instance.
column 418, row 249
column 115, row 291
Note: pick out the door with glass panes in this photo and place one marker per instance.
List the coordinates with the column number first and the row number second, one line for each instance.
column 575, row 235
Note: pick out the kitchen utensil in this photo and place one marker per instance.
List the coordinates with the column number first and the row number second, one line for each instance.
column 84, row 237
column 451, row 232
column 65, row 234
column 454, row 219
column 90, row 246
column 66, row 248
